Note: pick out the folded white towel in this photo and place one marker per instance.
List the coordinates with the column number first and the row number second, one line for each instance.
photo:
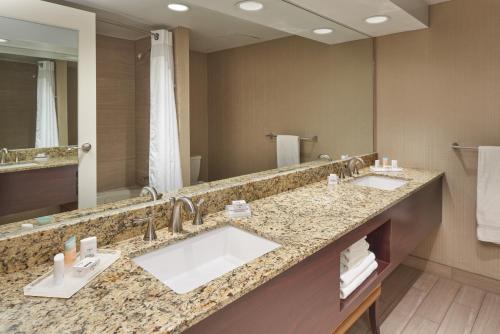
column 346, row 291
column 353, row 257
column 488, row 194
column 288, row 150
column 359, row 246
column 349, row 276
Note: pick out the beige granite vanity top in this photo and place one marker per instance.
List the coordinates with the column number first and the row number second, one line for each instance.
column 50, row 163
column 125, row 298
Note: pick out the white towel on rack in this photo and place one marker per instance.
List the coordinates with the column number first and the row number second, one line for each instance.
column 488, row 194
column 346, row 291
column 288, row 150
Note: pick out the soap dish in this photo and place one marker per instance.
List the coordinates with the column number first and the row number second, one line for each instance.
column 44, row 286
column 385, row 169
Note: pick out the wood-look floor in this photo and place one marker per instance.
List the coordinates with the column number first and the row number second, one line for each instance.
column 414, row 302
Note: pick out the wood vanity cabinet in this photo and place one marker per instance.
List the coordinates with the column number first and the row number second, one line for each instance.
column 37, row 188
column 305, row 298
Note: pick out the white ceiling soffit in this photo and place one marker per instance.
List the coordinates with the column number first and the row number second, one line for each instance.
column 286, row 17
column 210, row 30
column 405, row 15
column 24, row 37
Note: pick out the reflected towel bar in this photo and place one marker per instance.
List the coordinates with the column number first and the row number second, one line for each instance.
column 313, row 139
column 455, row 146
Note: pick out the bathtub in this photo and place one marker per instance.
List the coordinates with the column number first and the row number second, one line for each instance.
column 118, row 194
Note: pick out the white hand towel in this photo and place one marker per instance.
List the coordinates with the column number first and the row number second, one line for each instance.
column 356, row 249
column 349, row 276
column 353, row 257
column 488, row 194
column 345, row 292
column 288, row 150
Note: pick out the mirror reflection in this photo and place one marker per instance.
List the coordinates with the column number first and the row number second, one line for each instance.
column 184, row 102
column 38, row 120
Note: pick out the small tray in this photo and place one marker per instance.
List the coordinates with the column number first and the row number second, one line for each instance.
column 44, row 286
column 385, row 170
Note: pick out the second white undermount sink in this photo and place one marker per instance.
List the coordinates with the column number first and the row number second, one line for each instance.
column 379, row 182
column 193, row 262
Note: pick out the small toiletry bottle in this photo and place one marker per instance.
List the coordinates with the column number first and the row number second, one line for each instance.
column 385, row 162
column 394, row 164
column 70, row 251
column 377, row 163
column 88, row 247
column 333, row 180
column 58, row 269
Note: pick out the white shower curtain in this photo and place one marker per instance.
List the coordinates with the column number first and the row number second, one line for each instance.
column 164, row 155
column 46, row 116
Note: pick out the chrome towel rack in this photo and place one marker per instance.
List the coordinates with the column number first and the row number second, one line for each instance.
column 313, row 139
column 456, row 146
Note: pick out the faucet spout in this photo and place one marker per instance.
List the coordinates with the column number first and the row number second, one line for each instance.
column 150, row 190
column 175, row 224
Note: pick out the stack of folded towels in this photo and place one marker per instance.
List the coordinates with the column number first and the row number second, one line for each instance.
column 357, row 263
column 238, row 209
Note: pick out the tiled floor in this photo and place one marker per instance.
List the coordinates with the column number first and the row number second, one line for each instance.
column 413, row 302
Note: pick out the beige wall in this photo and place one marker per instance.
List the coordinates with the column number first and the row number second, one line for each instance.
column 18, row 82
column 434, row 87
column 288, row 86
column 17, row 104
column 198, row 113
column 115, row 113
column 142, row 111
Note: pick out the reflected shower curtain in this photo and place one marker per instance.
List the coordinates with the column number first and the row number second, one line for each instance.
column 46, row 116
column 164, row 154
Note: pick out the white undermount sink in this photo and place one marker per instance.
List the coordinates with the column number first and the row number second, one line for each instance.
column 17, row 165
column 379, row 182
column 193, row 262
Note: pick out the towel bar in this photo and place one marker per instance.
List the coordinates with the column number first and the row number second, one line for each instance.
column 455, row 146
column 313, row 139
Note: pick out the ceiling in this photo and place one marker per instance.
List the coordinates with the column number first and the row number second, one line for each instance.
column 219, row 24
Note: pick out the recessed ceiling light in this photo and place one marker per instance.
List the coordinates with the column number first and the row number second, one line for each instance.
column 250, row 6
column 178, row 7
column 322, row 31
column 3, row 40
column 377, row 19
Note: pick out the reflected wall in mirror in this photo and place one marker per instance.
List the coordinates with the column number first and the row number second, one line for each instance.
column 38, row 120
column 237, row 80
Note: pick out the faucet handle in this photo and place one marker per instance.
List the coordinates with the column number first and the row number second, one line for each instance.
column 198, row 217
column 150, row 234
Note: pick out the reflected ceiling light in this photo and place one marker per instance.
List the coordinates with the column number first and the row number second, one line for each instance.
column 250, row 6
column 3, row 40
column 377, row 19
column 178, row 7
column 323, row 31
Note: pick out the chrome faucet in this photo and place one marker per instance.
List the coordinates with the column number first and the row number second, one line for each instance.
column 175, row 224
column 5, row 155
column 150, row 233
column 198, row 217
column 150, row 190
column 352, row 166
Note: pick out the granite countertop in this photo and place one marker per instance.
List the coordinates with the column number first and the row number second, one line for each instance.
column 125, row 298
column 32, row 165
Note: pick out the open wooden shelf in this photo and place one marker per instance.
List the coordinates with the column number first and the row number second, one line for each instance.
column 382, row 265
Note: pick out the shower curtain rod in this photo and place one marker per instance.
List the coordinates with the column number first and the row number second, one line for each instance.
column 118, row 24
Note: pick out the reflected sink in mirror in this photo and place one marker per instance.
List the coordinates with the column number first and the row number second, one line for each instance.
column 17, row 165
column 191, row 263
column 379, row 182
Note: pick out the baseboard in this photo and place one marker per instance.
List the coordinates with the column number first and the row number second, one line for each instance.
column 461, row 276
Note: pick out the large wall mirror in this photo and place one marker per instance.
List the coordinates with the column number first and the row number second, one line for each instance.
column 251, row 94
